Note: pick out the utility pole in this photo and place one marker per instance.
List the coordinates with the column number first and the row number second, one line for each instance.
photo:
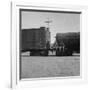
column 48, row 23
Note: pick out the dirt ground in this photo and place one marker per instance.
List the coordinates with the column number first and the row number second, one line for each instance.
column 52, row 66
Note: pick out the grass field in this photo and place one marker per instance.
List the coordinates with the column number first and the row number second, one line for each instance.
column 52, row 66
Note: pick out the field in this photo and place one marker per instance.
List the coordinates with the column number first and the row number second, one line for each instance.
column 51, row 66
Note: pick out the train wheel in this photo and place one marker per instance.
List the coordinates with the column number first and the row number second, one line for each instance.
column 57, row 53
column 31, row 53
column 35, row 53
column 46, row 53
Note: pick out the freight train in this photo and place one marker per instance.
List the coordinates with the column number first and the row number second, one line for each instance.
column 67, row 43
column 35, row 40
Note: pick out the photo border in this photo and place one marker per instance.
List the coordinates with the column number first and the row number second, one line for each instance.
column 15, row 45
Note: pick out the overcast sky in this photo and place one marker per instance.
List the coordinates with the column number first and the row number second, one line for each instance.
column 61, row 22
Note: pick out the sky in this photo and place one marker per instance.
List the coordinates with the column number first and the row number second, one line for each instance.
column 61, row 22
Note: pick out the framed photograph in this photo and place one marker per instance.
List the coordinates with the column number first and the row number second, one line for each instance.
column 47, row 44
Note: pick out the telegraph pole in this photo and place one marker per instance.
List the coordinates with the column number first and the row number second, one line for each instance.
column 48, row 23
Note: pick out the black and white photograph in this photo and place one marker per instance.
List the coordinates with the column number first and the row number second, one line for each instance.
column 49, row 43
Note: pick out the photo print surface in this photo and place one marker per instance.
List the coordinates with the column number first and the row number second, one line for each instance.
column 49, row 43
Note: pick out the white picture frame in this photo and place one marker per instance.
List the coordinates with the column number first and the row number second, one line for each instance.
column 15, row 54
